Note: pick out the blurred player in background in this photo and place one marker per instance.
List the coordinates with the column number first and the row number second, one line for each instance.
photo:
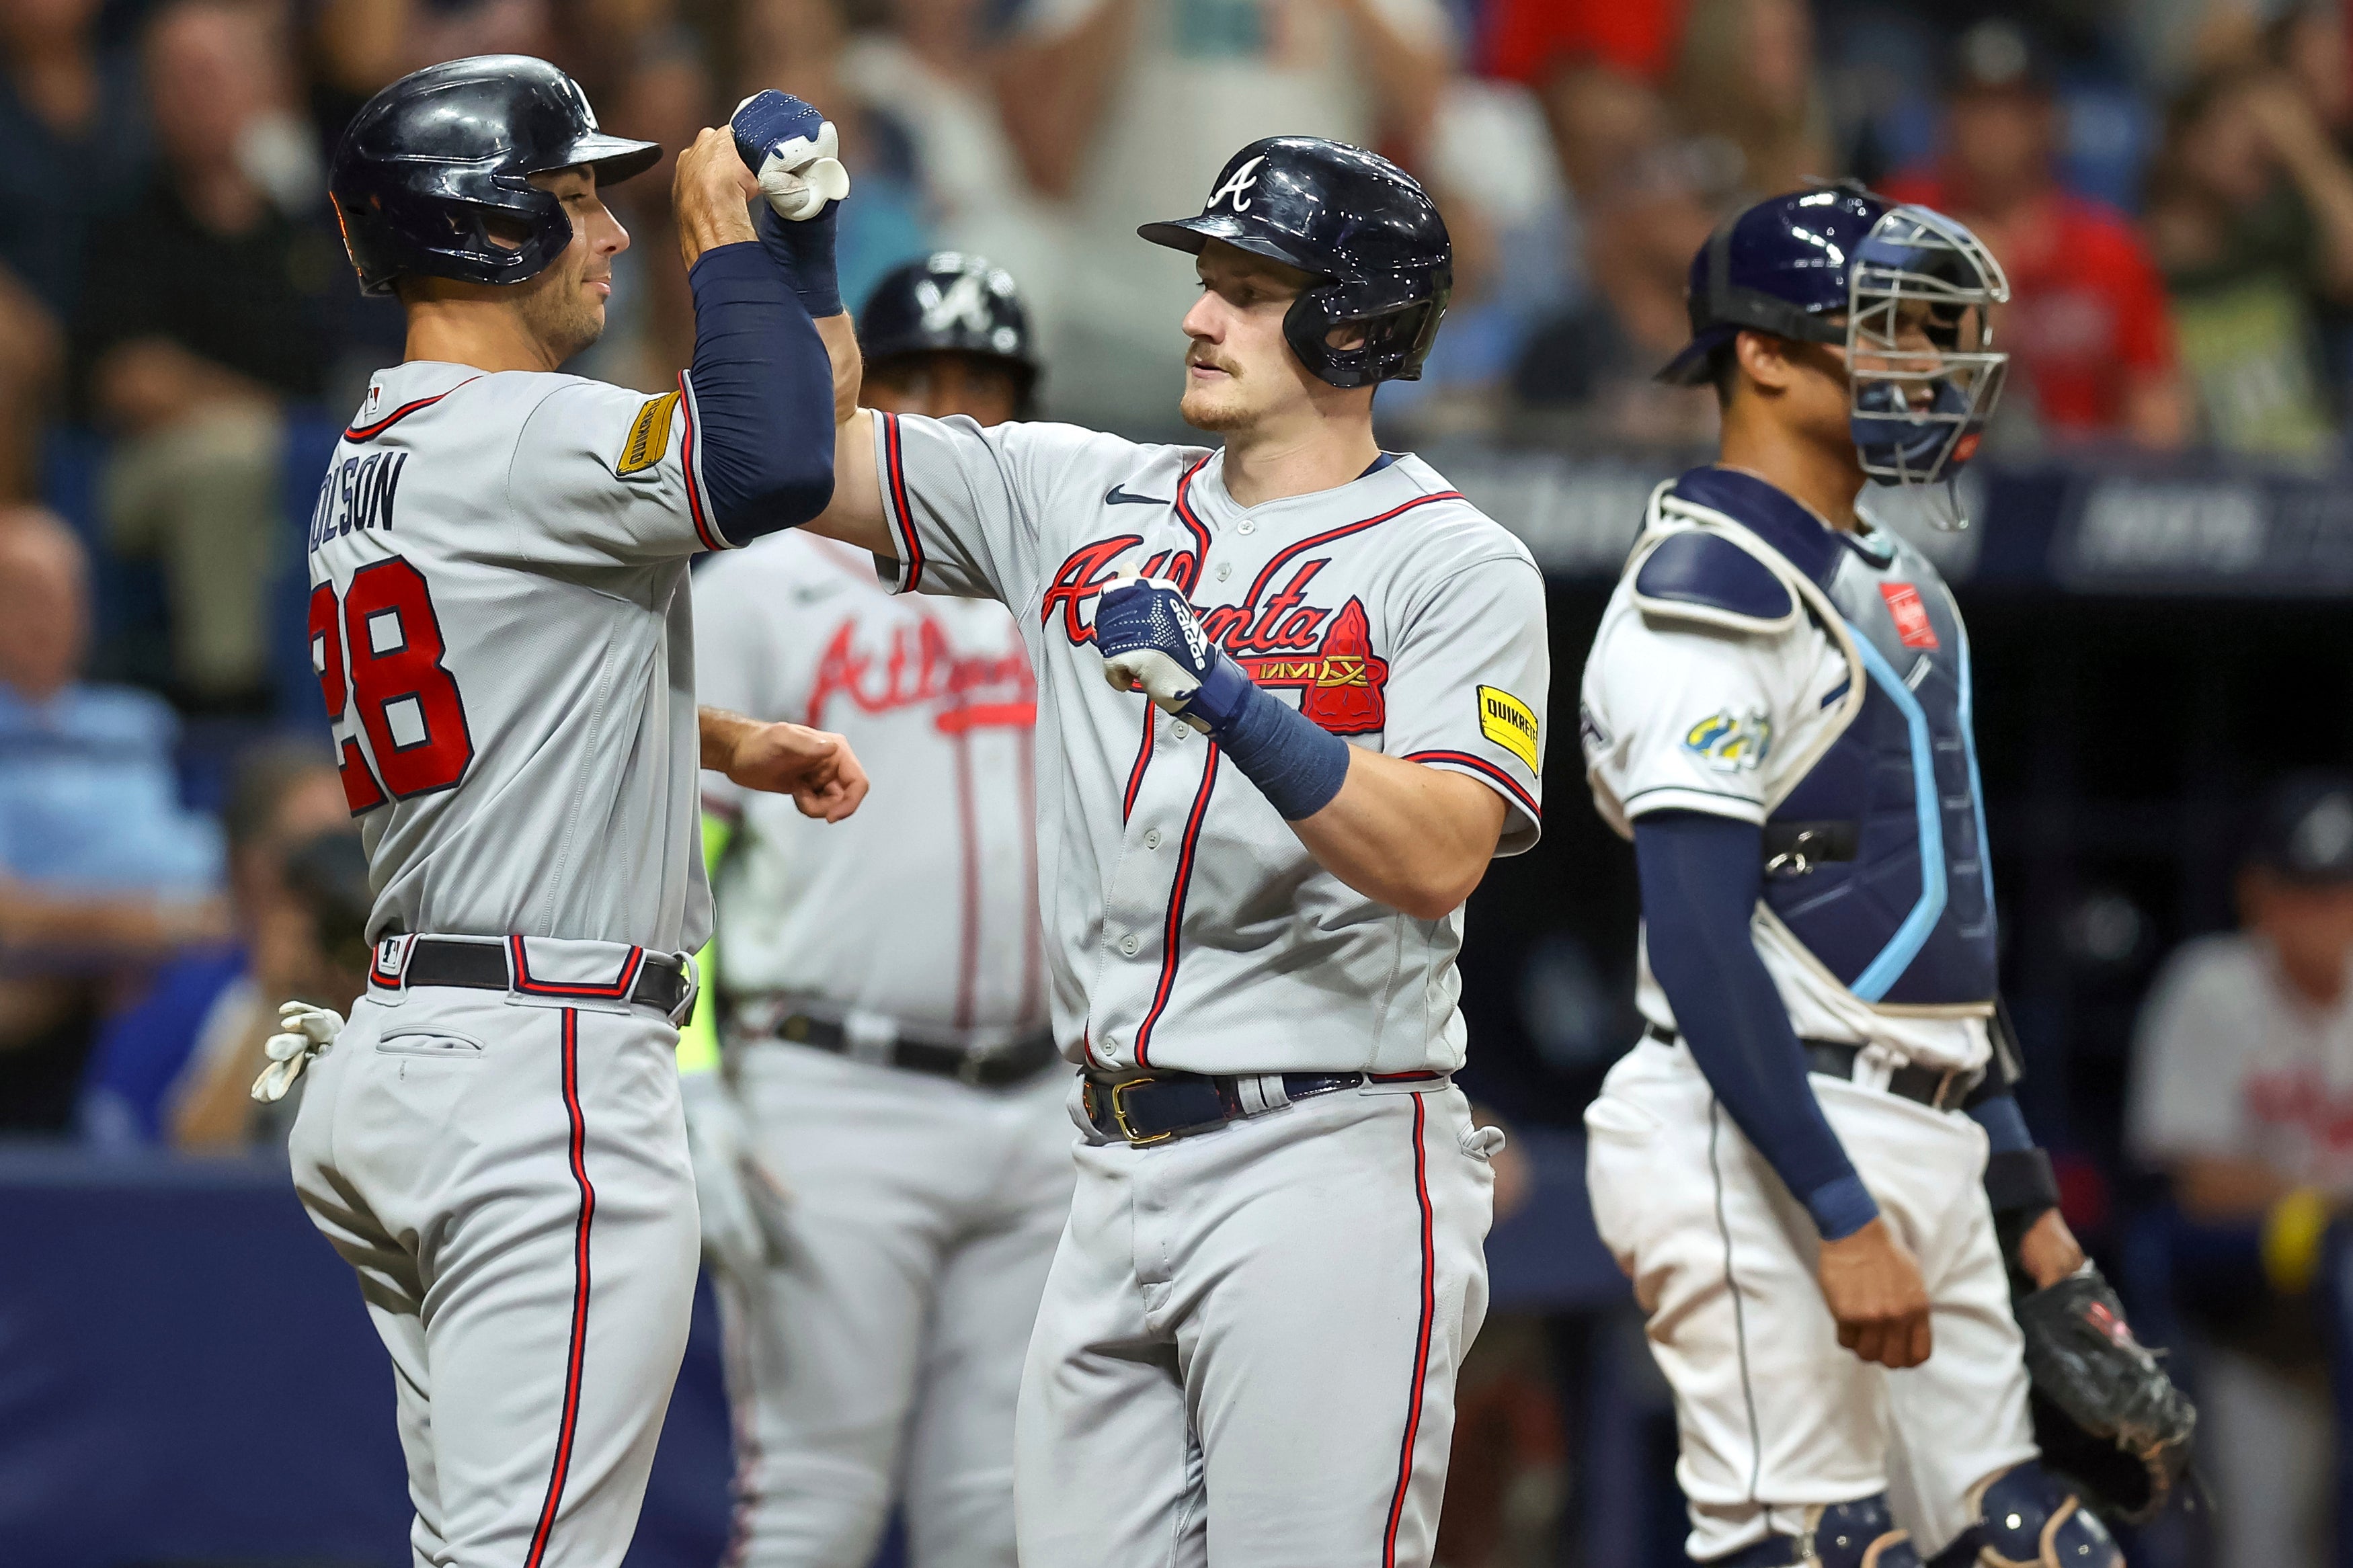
column 880, row 990
column 2243, row 1093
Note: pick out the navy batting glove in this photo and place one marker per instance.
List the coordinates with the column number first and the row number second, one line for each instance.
column 1149, row 637
column 794, row 151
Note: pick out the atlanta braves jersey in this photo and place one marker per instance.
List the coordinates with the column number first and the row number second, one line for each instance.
column 940, row 864
column 500, row 627
column 1188, row 927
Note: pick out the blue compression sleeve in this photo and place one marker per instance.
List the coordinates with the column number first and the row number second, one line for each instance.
column 1701, row 876
column 1296, row 763
column 763, row 396
column 2004, row 1123
column 803, row 251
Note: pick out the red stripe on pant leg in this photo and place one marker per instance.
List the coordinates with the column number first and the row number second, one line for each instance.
column 573, row 1362
column 1421, row 1341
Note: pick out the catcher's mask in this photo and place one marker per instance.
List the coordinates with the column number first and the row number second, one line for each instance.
column 1923, row 375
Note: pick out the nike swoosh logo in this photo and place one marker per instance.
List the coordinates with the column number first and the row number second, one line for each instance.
column 811, row 594
column 1118, row 496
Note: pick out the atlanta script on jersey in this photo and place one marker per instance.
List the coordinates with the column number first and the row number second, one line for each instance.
column 1187, row 925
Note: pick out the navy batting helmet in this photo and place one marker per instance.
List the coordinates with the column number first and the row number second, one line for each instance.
column 1371, row 237
column 431, row 163
column 949, row 302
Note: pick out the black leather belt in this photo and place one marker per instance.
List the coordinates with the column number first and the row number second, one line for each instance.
column 659, row 981
column 1016, row 1062
column 1177, row 1105
column 1938, row 1088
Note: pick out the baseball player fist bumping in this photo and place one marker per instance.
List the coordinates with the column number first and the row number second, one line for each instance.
column 1255, row 868
column 1812, row 1166
column 501, row 624
column 1149, row 637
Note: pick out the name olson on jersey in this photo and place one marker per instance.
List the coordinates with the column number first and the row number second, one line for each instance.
column 1325, row 654
column 357, row 493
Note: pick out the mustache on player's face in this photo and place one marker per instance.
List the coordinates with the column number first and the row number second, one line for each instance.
column 1208, row 358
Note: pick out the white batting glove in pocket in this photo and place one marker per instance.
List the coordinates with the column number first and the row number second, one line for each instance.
column 303, row 1032
column 794, row 153
column 745, row 1223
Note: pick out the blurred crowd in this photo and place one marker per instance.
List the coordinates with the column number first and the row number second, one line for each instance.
column 2167, row 182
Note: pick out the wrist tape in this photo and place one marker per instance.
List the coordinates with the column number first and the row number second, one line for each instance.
column 1296, row 763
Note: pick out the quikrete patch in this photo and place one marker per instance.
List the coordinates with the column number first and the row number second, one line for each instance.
column 1508, row 721
column 648, row 436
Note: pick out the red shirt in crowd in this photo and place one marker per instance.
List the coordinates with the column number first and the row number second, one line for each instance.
column 1527, row 40
column 2088, row 316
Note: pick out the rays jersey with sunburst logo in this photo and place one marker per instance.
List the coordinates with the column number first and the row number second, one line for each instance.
column 1757, row 665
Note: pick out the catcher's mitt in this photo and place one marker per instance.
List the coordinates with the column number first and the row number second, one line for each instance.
column 2105, row 1413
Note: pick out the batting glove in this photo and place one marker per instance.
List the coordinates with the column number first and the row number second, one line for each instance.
column 744, row 1208
column 303, row 1032
column 1149, row 637
column 792, row 150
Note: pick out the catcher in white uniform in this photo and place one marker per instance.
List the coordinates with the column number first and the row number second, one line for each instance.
column 500, row 626
column 882, row 999
column 1252, row 871
column 1812, row 1166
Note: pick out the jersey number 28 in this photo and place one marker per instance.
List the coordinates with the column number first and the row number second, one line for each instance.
column 388, row 636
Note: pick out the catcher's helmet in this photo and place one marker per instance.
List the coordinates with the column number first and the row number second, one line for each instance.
column 1779, row 267
column 949, row 302
column 1359, row 223
column 428, row 164
column 1906, row 291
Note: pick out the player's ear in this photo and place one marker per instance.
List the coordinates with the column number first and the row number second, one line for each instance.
column 1766, row 360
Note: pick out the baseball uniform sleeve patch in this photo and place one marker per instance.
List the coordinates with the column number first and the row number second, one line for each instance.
column 1730, row 743
column 648, row 436
column 1508, row 721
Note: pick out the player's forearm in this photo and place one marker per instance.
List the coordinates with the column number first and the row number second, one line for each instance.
column 855, row 514
column 1700, row 879
column 840, row 339
column 722, row 732
column 762, row 386
column 1414, row 837
column 2217, row 1189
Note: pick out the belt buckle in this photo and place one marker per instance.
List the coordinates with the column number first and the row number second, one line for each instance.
column 972, row 1065
column 1119, row 1116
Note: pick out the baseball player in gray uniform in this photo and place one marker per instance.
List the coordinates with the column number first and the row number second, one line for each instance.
column 1253, row 872
column 882, row 997
column 500, row 627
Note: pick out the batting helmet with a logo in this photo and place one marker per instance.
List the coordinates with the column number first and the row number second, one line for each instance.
column 1371, row 237
column 433, row 175
column 950, row 303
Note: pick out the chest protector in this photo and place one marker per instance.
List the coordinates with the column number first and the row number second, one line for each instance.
column 1875, row 838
